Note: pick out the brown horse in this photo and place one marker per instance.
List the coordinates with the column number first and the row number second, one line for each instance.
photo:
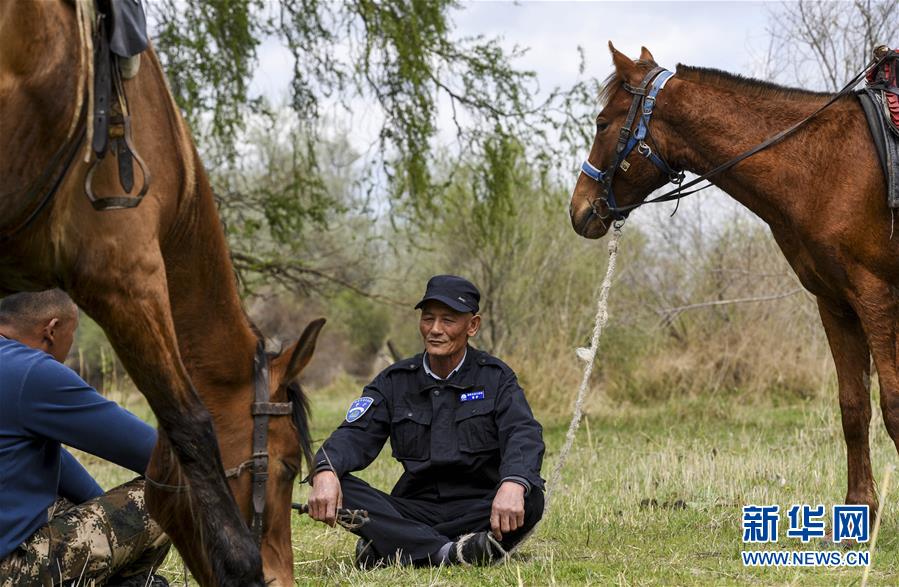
column 158, row 278
column 821, row 191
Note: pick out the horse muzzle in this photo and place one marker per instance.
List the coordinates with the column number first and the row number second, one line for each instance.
column 589, row 223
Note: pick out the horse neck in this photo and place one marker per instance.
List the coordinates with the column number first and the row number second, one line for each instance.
column 708, row 125
column 215, row 338
column 27, row 30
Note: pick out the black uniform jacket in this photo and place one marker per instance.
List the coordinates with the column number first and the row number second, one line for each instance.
column 455, row 438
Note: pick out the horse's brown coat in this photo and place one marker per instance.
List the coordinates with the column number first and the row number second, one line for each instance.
column 821, row 192
column 159, row 280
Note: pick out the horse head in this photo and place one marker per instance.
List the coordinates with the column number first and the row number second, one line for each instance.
column 289, row 447
column 624, row 165
column 263, row 434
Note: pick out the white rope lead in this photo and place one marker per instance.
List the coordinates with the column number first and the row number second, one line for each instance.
column 588, row 355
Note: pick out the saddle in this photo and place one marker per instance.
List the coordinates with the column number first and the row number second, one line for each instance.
column 880, row 102
column 119, row 34
column 120, row 37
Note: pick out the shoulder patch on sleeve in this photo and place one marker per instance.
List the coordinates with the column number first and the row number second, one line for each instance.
column 358, row 408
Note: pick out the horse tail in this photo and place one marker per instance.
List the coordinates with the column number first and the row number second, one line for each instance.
column 300, row 417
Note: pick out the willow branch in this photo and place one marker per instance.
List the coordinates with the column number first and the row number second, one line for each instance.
column 671, row 313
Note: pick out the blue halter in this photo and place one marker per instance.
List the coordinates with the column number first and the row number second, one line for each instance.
column 628, row 140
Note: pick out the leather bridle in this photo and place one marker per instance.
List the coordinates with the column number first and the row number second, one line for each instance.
column 258, row 462
column 627, row 141
column 629, row 138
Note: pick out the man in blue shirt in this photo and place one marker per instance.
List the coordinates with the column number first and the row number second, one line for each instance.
column 56, row 523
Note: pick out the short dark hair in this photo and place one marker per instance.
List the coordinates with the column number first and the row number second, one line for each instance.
column 28, row 309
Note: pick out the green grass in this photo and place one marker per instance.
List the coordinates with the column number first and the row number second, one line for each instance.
column 716, row 454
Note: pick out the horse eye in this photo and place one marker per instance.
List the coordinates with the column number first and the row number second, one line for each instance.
column 601, row 126
column 290, row 470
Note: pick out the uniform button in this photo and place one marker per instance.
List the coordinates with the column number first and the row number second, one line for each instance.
column 436, row 392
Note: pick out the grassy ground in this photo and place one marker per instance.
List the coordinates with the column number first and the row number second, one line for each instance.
column 714, row 454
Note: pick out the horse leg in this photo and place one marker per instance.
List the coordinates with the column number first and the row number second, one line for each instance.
column 852, row 360
column 878, row 306
column 168, row 501
column 136, row 316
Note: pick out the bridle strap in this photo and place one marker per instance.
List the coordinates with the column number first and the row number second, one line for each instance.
column 260, row 440
column 258, row 461
column 262, row 408
column 629, row 137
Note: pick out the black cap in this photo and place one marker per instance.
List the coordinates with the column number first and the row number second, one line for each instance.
column 456, row 292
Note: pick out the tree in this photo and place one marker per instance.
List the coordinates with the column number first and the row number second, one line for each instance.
column 401, row 54
column 828, row 42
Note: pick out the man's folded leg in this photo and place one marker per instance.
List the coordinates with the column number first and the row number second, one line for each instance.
column 473, row 515
column 421, row 530
column 396, row 525
column 467, row 522
column 109, row 537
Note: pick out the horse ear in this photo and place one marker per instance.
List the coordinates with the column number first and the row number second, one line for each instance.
column 645, row 55
column 625, row 66
column 301, row 352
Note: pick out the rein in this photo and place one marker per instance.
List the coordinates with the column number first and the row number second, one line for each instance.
column 628, row 139
column 47, row 184
column 258, row 462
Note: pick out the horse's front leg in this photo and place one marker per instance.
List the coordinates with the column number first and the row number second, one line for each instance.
column 853, row 364
column 134, row 311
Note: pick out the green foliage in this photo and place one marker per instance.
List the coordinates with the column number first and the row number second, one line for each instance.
column 289, row 224
column 364, row 321
column 401, row 53
column 208, row 48
column 92, row 355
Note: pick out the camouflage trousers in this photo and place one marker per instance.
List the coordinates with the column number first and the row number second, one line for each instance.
column 108, row 539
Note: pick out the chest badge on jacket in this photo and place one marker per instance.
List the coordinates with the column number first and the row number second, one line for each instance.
column 358, row 408
column 471, row 395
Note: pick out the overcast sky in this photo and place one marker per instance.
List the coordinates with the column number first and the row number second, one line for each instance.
column 725, row 35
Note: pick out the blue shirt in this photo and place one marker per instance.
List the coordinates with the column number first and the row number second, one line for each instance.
column 42, row 404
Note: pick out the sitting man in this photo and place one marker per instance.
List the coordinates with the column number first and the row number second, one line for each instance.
column 459, row 423
column 56, row 524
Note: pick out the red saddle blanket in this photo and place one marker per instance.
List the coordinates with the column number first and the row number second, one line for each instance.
column 885, row 77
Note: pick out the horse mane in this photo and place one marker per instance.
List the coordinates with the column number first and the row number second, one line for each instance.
column 715, row 77
column 745, row 85
column 300, row 416
column 611, row 83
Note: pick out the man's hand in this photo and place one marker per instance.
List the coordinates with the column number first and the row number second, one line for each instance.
column 507, row 514
column 325, row 498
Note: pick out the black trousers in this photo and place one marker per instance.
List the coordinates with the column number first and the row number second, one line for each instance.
column 418, row 528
